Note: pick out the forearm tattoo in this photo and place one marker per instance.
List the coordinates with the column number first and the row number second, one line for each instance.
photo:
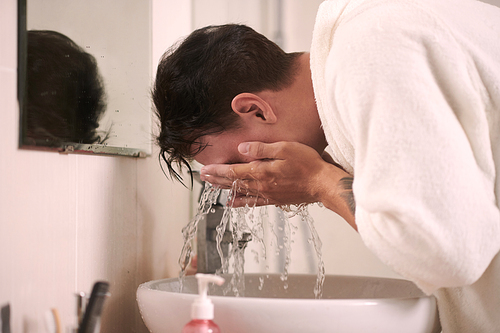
column 347, row 194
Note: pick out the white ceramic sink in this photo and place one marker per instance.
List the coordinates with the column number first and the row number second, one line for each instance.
column 349, row 304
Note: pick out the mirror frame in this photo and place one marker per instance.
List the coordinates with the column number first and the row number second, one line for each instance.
column 40, row 145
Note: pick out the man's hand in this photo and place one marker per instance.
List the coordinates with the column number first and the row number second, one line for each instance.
column 283, row 173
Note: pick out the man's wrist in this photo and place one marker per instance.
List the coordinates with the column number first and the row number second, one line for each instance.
column 337, row 194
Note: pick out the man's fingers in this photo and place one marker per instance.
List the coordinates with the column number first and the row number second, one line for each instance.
column 224, row 173
column 230, row 178
column 217, row 172
column 260, row 150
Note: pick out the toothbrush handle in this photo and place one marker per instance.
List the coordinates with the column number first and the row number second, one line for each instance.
column 93, row 312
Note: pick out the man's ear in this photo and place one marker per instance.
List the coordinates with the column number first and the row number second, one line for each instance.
column 252, row 107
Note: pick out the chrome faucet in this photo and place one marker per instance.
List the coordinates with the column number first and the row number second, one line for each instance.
column 209, row 260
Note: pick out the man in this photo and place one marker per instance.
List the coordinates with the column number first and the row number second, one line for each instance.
column 407, row 96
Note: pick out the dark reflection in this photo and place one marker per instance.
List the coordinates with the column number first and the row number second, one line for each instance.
column 65, row 92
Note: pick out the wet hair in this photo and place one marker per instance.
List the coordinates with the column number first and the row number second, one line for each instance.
column 65, row 92
column 197, row 79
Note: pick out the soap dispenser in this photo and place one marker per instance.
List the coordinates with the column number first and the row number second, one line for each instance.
column 202, row 310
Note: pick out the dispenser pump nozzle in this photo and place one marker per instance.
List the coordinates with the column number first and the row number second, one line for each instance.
column 203, row 307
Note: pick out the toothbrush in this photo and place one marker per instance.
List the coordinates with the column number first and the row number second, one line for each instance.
column 92, row 316
column 52, row 321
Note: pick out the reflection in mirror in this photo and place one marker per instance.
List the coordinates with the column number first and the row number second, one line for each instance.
column 84, row 76
column 65, row 95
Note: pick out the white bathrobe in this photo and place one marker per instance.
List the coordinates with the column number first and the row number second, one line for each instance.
column 408, row 92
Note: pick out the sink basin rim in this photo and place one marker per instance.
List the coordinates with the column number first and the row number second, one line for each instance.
column 153, row 286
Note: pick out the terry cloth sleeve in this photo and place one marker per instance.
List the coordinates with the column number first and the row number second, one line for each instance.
column 411, row 102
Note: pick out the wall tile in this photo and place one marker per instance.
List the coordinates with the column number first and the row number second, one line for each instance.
column 8, row 49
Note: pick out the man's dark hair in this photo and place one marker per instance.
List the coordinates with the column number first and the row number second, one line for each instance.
column 65, row 91
column 198, row 78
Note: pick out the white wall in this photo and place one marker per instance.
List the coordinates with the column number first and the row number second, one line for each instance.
column 69, row 220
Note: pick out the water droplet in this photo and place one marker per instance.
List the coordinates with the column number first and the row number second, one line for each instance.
column 261, row 283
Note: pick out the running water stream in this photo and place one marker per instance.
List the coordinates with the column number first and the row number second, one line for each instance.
column 252, row 220
column 207, row 199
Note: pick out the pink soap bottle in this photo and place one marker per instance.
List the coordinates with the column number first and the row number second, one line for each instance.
column 202, row 310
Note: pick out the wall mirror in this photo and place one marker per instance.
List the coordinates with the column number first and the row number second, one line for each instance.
column 85, row 76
